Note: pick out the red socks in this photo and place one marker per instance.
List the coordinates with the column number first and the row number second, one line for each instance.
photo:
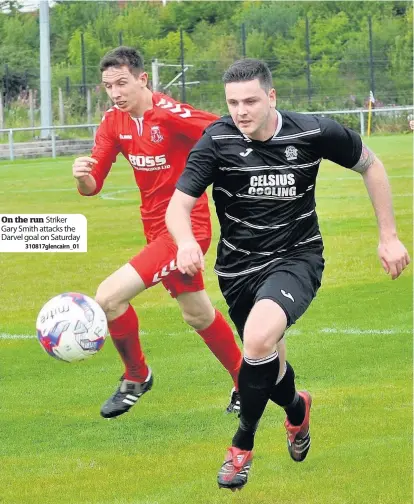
column 219, row 337
column 220, row 340
column 124, row 331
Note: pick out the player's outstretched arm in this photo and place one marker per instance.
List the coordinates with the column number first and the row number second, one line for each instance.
column 190, row 258
column 81, row 170
column 392, row 253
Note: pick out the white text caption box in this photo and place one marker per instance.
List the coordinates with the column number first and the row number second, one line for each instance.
column 43, row 233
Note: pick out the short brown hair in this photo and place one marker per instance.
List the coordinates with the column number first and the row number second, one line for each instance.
column 123, row 56
column 249, row 69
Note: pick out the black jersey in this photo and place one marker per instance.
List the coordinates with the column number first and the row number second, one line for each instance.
column 264, row 192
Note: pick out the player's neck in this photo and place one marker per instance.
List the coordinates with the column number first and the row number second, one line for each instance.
column 144, row 105
column 268, row 129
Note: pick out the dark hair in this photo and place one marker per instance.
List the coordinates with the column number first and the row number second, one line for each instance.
column 249, row 69
column 123, row 56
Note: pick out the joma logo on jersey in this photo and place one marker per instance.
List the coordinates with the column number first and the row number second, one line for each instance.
column 147, row 161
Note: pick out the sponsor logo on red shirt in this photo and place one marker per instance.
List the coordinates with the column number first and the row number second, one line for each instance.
column 149, row 163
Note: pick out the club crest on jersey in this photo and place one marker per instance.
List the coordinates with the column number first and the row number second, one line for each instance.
column 291, row 153
column 156, row 136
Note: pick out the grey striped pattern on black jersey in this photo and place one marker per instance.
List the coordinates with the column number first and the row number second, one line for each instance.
column 264, row 192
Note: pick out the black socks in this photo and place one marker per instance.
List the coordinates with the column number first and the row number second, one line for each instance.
column 284, row 394
column 256, row 380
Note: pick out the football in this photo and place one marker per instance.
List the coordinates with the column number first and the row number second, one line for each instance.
column 71, row 327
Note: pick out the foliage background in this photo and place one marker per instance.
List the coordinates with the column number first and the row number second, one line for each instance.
column 340, row 74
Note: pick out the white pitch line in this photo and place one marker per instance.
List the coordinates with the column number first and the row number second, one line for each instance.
column 7, row 336
column 110, row 195
column 359, row 178
column 356, row 196
column 290, row 332
column 19, row 191
column 385, row 332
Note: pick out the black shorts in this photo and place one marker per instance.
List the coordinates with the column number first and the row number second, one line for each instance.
column 292, row 283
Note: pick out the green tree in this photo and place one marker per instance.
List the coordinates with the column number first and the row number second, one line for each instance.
column 275, row 31
column 187, row 15
column 18, row 50
column 259, row 45
column 400, row 57
column 271, row 18
column 9, row 6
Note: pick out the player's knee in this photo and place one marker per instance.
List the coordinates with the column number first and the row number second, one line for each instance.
column 198, row 319
column 258, row 344
column 107, row 300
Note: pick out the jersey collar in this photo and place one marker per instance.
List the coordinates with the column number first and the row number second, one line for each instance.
column 279, row 123
column 278, row 128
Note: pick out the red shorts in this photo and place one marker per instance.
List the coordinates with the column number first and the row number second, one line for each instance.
column 157, row 262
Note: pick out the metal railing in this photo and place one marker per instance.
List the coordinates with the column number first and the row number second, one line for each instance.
column 93, row 127
column 361, row 113
column 51, row 129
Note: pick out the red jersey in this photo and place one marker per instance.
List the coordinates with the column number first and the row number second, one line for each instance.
column 156, row 146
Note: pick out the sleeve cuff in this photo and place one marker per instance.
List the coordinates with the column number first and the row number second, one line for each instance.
column 188, row 191
column 96, row 191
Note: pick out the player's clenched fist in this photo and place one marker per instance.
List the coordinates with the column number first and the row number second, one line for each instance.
column 82, row 166
column 190, row 258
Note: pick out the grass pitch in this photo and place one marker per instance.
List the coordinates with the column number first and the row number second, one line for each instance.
column 352, row 350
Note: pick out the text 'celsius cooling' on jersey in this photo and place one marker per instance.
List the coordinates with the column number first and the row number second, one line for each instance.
column 273, row 185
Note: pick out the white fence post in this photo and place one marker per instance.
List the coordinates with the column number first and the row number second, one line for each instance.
column 61, row 108
column 11, row 150
column 398, row 112
column 31, row 108
column 1, row 110
column 53, row 143
column 362, row 122
column 89, row 105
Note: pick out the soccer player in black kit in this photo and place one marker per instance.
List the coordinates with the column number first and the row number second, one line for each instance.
column 263, row 165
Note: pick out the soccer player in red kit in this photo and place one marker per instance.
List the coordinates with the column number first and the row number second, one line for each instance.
column 155, row 134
